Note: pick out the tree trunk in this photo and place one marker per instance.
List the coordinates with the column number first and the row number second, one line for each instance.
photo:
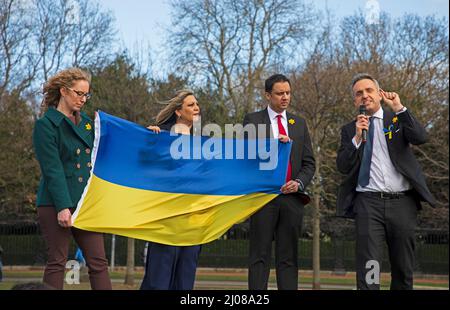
column 129, row 276
column 113, row 252
column 316, row 227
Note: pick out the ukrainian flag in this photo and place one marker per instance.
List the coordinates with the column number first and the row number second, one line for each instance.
column 137, row 189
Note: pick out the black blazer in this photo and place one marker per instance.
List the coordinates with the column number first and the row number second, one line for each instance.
column 302, row 159
column 405, row 130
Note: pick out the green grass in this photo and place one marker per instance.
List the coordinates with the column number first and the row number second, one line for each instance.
column 6, row 285
column 39, row 274
column 221, row 277
column 82, row 286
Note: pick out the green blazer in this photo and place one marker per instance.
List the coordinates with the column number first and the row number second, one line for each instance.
column 63, row 151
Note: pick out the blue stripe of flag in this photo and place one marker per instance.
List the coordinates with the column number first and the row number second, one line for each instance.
column 133, row 156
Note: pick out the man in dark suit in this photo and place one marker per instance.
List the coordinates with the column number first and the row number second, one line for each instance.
column 281, row 219
column 384, row 183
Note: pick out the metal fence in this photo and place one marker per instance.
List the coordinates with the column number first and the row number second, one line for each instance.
column 23, row 245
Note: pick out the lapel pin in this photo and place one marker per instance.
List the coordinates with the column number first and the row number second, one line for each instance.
column 388, row 131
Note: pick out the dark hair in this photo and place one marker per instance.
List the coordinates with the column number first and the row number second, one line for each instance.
column 363, row 76
column 276, row 78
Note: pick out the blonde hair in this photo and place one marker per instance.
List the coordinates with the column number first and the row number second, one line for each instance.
column 173, row 104
column 64, row 78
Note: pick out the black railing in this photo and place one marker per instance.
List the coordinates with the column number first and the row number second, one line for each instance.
column 23, row 245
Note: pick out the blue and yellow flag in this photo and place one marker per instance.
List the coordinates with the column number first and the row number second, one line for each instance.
column 173, row 189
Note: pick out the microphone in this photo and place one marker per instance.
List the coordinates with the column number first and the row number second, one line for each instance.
column 362, row 110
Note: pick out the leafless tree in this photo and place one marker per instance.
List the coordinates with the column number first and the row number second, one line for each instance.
column 17, row 62
column 38, row 38
column 231, row 43
column 318, row 95
column 129, row 275
column 71, row 33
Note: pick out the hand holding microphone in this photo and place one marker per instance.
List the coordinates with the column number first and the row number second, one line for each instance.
column 363, row 111
column 362, row 124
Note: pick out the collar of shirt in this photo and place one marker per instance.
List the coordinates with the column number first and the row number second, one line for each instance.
column 273, row 114
column 379, row 114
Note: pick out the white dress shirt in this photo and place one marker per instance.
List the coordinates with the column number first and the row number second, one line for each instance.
column 274, row 122
column 383, row 175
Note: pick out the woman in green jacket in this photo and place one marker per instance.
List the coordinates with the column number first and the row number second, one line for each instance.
column 63, row 140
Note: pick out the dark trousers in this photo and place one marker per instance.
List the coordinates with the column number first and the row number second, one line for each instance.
column 279, row 220
column 170, row 267
column 380, row 221
column 58, row 239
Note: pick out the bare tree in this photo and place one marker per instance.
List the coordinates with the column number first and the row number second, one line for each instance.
column 71, row 33
column 38, row 38
column 231, row 43
column 318, row 96
column 91, row 36
column 129, row 275
column 17, row 63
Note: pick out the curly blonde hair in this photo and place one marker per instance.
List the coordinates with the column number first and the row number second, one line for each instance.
column 64, row 78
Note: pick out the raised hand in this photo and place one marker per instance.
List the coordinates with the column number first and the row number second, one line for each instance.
column 392, row 99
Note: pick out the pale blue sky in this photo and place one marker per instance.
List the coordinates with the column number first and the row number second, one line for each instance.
column 144, row 21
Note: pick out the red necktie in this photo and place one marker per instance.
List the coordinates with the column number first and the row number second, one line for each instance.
column 282, row 131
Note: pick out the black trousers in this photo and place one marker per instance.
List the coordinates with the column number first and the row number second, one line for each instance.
column 379, row 221
column 279, row 220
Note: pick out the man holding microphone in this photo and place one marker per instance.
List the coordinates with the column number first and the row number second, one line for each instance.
column 384, row 183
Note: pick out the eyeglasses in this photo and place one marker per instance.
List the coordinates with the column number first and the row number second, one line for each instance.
column 81, row 94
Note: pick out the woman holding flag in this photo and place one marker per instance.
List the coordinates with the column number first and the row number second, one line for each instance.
column 171, row 267
column 63, row 140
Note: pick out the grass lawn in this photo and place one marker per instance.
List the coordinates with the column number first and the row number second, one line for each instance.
column 223, row 279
